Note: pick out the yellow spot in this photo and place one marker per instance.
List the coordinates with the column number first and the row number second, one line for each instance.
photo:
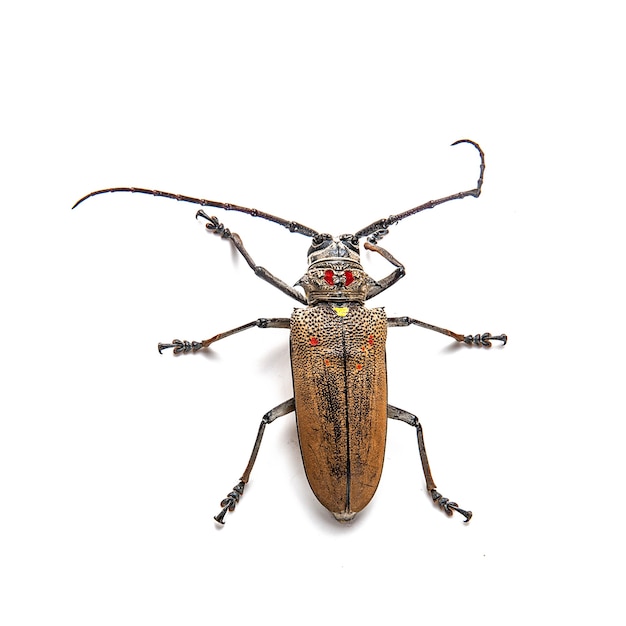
column 341, row 311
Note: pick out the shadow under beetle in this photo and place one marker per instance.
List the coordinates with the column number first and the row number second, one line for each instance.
column 337, row 357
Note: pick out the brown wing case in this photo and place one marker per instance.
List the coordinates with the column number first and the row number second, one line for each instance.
column 340, row 388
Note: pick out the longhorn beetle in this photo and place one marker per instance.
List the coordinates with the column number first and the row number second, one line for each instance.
column 337, row 357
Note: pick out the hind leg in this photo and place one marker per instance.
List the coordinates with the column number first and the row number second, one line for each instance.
column 230, row 501
column 446, row 505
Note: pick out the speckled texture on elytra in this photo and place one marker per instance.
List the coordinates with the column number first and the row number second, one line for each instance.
column 340, row 386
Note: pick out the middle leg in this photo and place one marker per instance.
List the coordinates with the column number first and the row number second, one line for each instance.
column 483, row 339
column 193, row 346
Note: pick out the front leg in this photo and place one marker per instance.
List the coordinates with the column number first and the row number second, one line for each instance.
column 483, row 339
column 380, row 285
column 213, row 225
column 193, row 346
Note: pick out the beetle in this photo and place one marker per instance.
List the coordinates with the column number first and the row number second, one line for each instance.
column 338, row 361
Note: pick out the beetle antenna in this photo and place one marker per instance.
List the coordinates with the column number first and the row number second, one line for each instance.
column 293, row 227
column 377, row 230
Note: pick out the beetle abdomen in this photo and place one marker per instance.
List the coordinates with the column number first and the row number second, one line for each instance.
column 340, row 389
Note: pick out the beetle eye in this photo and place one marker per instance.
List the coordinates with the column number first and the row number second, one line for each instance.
column 349, row 277
column 328, row 277
column 320, row 239
column 350, row 240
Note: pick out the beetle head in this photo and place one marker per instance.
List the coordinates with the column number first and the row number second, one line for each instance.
column 335, row 273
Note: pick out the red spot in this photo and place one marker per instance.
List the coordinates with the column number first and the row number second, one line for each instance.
column 328, row 277
column 349, row 277
column 326, row 362
column 370, row 340
column 314, row 341
column 359, row 366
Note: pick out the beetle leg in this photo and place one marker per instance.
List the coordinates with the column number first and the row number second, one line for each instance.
column 214, row 225
column 193, row 346
column 230, row 501
column 386, row 282
column 485, row 339
column 446, row 505
column 478, row 340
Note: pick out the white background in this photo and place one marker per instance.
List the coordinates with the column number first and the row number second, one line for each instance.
column 113, row 459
